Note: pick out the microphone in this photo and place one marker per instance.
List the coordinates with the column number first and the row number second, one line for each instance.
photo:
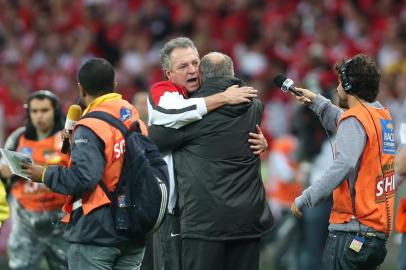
column 74, row 114
column 286, row 84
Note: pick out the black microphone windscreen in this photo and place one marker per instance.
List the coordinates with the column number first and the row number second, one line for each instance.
column 279, row 79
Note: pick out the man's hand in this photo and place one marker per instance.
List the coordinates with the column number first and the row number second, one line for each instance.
column 5, row 171
column 308, row 96
column 33, row 171
column 295, row 211
column 236, row 95
column 66, row 134
column 257, row 141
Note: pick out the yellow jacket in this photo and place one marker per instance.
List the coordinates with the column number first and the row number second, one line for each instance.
column 4, row 210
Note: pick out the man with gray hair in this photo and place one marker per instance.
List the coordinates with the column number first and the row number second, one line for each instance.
column 223, row 209
column 170, row 106
column 169, row 102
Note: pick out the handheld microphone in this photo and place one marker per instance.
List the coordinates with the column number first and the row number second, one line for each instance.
column 286, row 84
column 74, row 114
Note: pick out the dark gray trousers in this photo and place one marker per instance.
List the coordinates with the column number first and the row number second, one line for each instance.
column 166, row 244
column 222, row 255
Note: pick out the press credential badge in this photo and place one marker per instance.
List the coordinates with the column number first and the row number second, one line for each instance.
column 357, row 243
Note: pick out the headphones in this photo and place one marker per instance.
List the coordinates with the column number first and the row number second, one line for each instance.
column 346, row 81
column 41, row 94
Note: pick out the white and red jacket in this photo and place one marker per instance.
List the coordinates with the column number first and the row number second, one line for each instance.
column 169, row 106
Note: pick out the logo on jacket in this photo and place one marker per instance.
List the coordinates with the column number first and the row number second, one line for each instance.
column 125, row 114
column 385, row 187
column 388, row 139
column 51, row 157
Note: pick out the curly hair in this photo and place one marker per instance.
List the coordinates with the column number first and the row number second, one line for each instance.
column 363, row 76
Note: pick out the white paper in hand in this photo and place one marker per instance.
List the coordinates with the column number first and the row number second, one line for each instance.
column 14, row 161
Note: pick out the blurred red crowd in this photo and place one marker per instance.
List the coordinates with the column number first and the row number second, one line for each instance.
column 43, row 43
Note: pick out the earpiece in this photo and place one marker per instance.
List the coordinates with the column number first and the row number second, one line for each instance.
column 346, row 81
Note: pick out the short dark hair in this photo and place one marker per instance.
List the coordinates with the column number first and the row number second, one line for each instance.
column 96, row 76
column 363, row 75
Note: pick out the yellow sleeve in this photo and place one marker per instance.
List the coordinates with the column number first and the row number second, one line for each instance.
column 4, row 209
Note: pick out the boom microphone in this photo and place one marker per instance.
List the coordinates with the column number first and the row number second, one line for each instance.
column 74, row 114
column 286, row 84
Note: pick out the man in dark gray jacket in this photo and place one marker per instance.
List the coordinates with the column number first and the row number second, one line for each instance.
column 221, row 197
column 95, row 244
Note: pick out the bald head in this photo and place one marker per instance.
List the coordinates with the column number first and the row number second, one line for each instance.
column 214, row 65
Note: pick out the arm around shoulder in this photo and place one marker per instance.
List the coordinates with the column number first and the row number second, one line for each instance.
column 232, row 95
column 168, row 107
column 166, row 139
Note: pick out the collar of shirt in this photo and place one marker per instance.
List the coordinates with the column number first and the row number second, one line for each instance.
column 100, row 100
column 185, row 92
column 181, row 89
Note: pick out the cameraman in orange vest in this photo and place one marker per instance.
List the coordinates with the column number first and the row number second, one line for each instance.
column 96, row 155
column 35, row 210
column 361, row 177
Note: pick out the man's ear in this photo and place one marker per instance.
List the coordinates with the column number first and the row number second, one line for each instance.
column 114, row 86
column 167, row 74
column 82, row 91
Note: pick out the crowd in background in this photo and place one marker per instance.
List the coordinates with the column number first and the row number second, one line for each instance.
column 43, row 43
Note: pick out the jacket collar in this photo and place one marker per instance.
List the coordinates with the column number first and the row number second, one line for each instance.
column 99, row 100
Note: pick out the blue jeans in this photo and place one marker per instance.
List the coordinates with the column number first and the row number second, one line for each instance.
column 89, row 257
column 338, row 255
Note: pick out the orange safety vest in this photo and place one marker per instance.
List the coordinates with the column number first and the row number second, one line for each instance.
column 113, row 151
column 401, row 216
column 374, row 193
column 36, row 196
